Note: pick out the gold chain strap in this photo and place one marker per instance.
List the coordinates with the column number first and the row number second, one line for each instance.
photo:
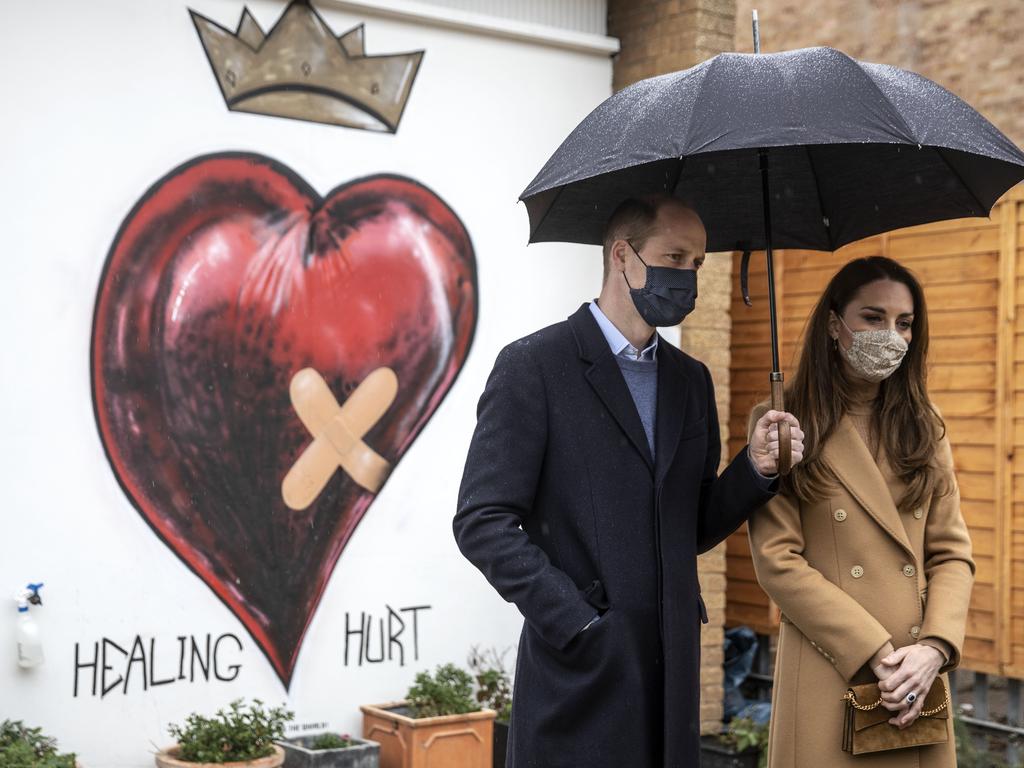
column 851, row 699
column 942, row 706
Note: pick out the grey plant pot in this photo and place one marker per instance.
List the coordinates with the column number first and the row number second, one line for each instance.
column 299, row 754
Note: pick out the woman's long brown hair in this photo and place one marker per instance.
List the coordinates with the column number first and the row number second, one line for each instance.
column 905, row 421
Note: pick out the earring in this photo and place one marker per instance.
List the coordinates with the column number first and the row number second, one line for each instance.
column 835, row 344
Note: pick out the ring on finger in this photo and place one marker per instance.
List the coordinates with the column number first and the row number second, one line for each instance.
column 911, row 697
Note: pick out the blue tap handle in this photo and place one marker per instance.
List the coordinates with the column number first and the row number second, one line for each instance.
column 35, row 599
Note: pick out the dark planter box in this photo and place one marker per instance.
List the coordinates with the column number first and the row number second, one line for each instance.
column 714, row 754
column 300, row 754
column 500, row 743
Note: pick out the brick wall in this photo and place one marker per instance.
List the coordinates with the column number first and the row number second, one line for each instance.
column 705, row 335
column 659, row 36
column 971, row 47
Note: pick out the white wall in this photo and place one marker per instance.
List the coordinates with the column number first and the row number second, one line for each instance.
column 580, row 15
column 100, row 100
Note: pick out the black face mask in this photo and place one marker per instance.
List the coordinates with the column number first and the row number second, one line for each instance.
column 668, row 295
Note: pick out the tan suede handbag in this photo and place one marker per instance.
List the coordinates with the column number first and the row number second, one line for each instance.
column 867, row 726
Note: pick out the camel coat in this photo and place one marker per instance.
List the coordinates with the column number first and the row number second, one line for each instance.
column 850, row 572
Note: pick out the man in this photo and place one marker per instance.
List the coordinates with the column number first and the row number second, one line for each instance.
column 589, row 490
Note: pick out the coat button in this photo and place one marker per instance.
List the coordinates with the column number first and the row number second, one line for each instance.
column 914, row 632
column 909, row 570
column 918, row 513
column 857, row 571
column 840, row 515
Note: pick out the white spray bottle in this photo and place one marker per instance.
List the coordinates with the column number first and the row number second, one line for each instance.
column 30, row 645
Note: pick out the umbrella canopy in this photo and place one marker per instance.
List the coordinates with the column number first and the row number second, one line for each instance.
column 854, row 149
column 802, row 149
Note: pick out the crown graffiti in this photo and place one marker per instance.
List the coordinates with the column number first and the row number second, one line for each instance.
column 301, row 70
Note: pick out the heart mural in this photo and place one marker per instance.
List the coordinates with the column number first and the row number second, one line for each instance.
column 227, row 278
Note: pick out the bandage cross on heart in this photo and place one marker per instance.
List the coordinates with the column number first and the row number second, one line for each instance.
column 338, row 432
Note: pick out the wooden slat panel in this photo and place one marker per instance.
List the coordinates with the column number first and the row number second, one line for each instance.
column 984, row 597
column 942, row 270
column 981, row 624
column 977, row 514
column 978, row 486
column 974, row 294
column 983, row 541
column 966, row 404
column 928, row 245
column 740, row 614
column 981, row 656
column 973, row 458
column 1007, row 634
column 965, row 349
column 961, row 377
column 747, row 593
column 950, row 324
column 740, row 568
column 970, row 431
column 986, row 565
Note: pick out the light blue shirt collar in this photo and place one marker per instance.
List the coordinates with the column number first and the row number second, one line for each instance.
column 620, row 344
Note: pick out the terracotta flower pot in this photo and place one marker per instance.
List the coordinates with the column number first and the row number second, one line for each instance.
column 168, row 758
column 452, row 741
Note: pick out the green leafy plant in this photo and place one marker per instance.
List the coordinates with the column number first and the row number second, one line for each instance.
column 236, row 734
column 332, row 741
column 22, row 747
column 744, row 734
column 967, row 754
column 494, row 686
column 449, row 691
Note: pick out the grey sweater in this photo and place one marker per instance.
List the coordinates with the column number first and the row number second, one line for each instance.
column 642, row 379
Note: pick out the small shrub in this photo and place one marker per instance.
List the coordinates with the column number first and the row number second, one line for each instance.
column 743, row 734
column 332, row 741
column 232, row 735
column 449, row 691
column 22, row 747
column 494, row 686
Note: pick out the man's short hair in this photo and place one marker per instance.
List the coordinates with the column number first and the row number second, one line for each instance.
column 632, row 220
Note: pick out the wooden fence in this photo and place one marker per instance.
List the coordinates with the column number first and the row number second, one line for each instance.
column 972, row 271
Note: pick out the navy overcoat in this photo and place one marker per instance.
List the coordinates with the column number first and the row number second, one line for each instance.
column 566, row 514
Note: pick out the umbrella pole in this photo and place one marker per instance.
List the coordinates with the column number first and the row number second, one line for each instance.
column 776, row 377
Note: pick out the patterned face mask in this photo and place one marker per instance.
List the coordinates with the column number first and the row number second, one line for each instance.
column 668, row 295
column 875, row 355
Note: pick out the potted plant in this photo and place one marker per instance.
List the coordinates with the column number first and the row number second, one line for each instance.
column 22, row 747
column 329, row 750
column 239, row 737
column 744, row 744
column 494, row 691
column 439, row 723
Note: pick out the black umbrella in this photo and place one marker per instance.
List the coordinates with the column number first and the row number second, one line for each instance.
column 803, row 149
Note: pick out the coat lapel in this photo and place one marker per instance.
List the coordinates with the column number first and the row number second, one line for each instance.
column 672, row 401
column 849, row 458
column 604, row 376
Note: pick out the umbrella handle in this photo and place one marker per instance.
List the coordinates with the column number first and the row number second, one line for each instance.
column 785, row 437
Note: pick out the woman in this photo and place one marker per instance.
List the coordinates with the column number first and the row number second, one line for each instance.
column 865, row 528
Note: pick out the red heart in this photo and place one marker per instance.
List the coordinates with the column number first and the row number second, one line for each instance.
column 229, row 276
